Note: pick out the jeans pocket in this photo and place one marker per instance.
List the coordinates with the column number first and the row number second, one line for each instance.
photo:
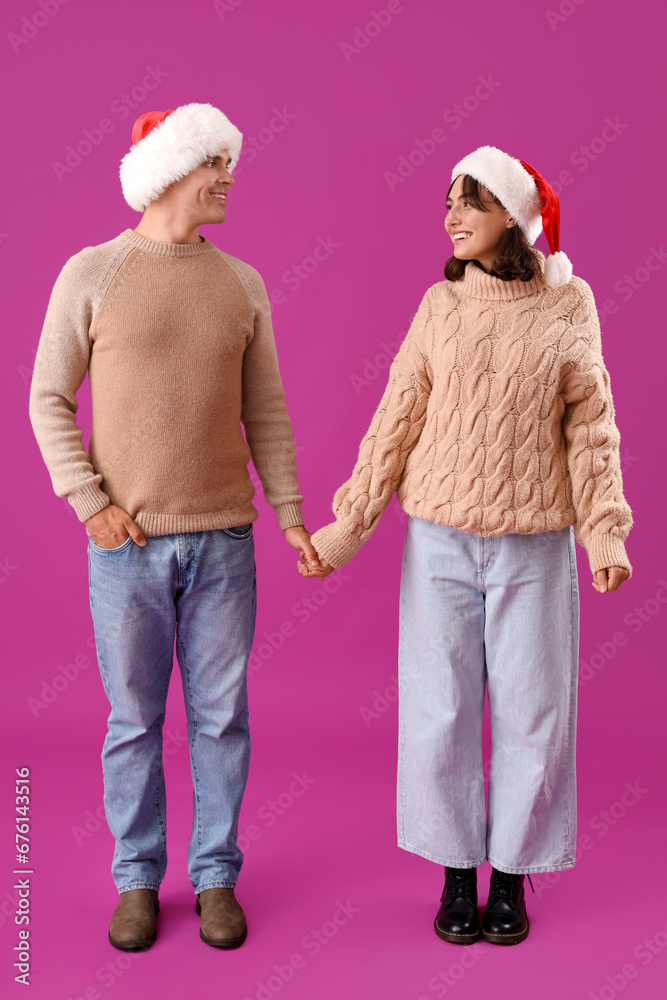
column 101, row 548
column 240, row 531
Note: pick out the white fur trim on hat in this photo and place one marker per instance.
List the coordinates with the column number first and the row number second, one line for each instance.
column 505, row 178
column 174, row 148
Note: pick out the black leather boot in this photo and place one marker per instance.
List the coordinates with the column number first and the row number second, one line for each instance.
column 457, row 920
column 505, row 920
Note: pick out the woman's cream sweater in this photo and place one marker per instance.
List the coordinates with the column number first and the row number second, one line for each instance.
column 497, row 417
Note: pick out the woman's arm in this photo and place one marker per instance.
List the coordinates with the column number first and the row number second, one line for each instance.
column 603, row 516
column 393, row 433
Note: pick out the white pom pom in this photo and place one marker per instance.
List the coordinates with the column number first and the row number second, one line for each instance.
column 557, row 269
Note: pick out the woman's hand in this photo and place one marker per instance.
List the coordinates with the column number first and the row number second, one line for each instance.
column 309, row 563
column 609, row 579
column 319, row 569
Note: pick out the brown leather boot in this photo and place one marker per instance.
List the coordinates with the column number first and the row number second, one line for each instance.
column 132, row 926
column 223, row 922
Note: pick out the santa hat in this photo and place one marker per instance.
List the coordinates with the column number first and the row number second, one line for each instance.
column 167, row 145
column 527, row 196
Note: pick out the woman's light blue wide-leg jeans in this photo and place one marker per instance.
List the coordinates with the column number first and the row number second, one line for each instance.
column 197, row 589
column 501, row 613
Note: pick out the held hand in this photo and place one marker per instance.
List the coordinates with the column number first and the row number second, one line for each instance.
column 609, row 579
column 299, row 538
column 110, row 527
column 321, row 570
column 309, row 564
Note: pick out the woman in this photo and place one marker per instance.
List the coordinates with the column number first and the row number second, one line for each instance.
column 497, row 431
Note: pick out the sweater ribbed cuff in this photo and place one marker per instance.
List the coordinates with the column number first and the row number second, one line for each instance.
column 88, row 501
column 289, row 515
column 607, row 550
column 335, row 544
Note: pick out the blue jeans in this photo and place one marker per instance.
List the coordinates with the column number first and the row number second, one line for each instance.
column 199, row 588
column 501, row 613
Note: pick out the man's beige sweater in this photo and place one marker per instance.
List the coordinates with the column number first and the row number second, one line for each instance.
column 179, row 347
column 497, row 418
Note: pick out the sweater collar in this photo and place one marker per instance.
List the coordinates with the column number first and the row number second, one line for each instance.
column 167, row 249
column 478, row 284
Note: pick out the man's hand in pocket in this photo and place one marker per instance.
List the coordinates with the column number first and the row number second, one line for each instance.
column 110, row 527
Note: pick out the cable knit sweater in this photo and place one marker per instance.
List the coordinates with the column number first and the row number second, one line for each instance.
column 179, row 348
column 497, row 417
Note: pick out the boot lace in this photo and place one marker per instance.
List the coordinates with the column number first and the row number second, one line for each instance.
column 459, row 882
column 503, row 886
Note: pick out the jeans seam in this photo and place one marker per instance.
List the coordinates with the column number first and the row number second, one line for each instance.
column 161, row 805
column 401, row 707
column 570, row 842
column 192, row 736
column 483, row 820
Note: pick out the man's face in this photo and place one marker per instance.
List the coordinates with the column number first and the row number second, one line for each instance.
column 201, row 196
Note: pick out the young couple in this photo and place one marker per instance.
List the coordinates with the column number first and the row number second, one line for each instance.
column 497, row 432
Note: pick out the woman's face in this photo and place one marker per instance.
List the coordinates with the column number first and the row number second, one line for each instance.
column 485, row 230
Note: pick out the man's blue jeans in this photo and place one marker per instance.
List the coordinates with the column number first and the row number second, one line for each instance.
column 199, row 588
column 500, row 613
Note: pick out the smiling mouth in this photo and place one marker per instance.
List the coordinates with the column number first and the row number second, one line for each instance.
column 219, row 196
column 461, row 239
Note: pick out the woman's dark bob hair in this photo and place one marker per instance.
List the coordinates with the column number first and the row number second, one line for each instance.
column 516, row 259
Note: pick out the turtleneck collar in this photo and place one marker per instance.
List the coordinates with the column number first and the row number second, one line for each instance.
column 167, row 249
column 478, row 284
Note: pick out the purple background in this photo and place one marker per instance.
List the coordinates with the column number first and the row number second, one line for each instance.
column 554, row 82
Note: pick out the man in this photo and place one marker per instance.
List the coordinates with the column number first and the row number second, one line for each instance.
column 177, row 339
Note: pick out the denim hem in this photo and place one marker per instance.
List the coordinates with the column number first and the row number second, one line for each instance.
column 215, row 885
column 533, row 869
column 139, row 885
column 439, row 861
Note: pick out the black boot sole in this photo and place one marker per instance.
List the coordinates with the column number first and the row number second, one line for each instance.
column 140, row 944
column 456, row 938
column 504, row 939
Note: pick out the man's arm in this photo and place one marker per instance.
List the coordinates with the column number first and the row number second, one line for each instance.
column 61, row 363
column 264, row 415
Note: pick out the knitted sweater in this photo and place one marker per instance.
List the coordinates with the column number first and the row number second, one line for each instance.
column 497, row 417
column 179, row 348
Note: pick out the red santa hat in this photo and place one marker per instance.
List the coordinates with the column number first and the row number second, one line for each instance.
column 527, row 196
column 167, row 145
